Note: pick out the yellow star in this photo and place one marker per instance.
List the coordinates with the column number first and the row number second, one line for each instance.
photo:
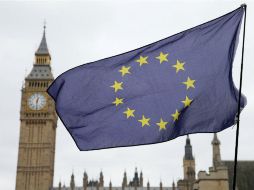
column 129, row 113
column 179, row 66
column 162, row 57
column 144, row 121
column 125, row 70
column 142, row 60
column 162, row 124
column 117, row 86
column 189, row 83
column 118, row 101
column 175, row 115
column 187, row 101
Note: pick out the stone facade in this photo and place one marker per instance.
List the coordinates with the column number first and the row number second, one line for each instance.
column 135, row 184
column 217, row 177
column 38, row 121
column 214, row 180
column 245, row 174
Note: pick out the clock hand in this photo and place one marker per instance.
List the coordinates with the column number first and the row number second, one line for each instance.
column 36, row 101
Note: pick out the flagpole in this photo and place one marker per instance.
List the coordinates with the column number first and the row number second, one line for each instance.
column 244, row 6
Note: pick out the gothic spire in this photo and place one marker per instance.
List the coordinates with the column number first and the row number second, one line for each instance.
column 216, row 151
column 85, row 174
column 188, row 150
column 43, row 48
column 141, row 179
column 110, row 185
column 124, row 183
column 85, row 180
column 101, row 182
column 101, row 174
column 136, row 178
column 148, row 185
column 215, row 140
column 72, row 183
column 59, row 185
column 173, row 185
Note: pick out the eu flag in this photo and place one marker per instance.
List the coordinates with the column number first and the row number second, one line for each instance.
column 176, row 86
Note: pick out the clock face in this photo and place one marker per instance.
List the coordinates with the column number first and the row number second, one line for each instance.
column 36, row 101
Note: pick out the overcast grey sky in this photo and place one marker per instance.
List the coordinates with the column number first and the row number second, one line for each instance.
column 80, row 32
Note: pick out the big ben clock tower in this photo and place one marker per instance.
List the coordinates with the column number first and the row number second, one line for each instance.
column 38, row 121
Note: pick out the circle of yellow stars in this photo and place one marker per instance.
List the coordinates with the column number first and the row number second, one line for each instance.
column 130, row 112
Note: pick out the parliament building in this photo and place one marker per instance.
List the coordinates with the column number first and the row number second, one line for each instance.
column 36, row 156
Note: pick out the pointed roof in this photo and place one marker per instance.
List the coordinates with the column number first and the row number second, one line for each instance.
column 188, row 140
column 85, row 174
column 72, row 176
column 188, row 150
column 173, row 185
column 215, row 140
column 43, row 48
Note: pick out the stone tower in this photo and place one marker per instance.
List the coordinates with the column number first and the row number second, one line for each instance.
column 173, row 186
column 141, row 179
column 101, row 182
column 38, row 121
column 85, row 181
column 59, row 185
column 72, row 183
column 136, row 179
column 218, row 176
column 188, row 168
column 216, row 151
column 124, row 183
column 188, row 162
column 161, row 186
column 110, row 185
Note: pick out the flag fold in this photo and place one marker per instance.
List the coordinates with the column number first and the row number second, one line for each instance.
column 176, row 86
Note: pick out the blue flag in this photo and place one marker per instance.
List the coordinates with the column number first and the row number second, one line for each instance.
column 176, row 86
